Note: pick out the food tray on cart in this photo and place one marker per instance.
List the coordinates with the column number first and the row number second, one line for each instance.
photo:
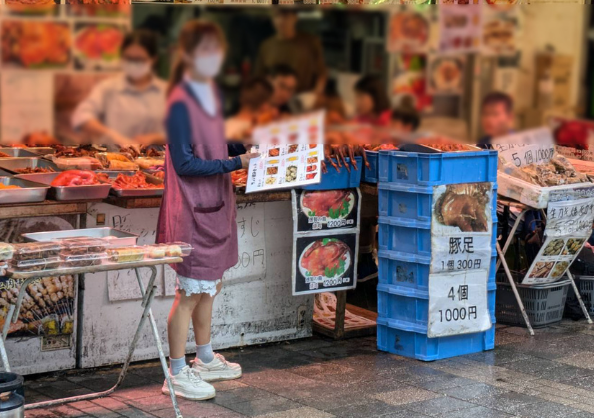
column 146, row 192
column 63, row 193
column 17, row 153
column 27, row 191
column 43, row 151
column 115, row 237
column 14, row 165
column 530, row 194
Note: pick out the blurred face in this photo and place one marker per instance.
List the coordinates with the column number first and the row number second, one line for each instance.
column 363, row 104
column 207, row 58
column 496, row 120
column 284, row 89
column 136, row 62
column 284, row 23
column 401, row 127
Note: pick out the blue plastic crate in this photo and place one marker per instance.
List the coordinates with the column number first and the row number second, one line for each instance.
column 410, row 236
column 411, row 341
column 412, row 305
column 409, row 270
column 439, row 168
column 411, row 201
column 341, row 179
column 370, row 175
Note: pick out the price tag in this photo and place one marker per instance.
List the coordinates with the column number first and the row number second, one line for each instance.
column 535, row 146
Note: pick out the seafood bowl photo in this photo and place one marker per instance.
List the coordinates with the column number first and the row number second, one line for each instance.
column 331, row 204
column 327, row 258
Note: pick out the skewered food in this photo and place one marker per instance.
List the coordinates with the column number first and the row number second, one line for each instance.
column 464, row 206
column 136, row 181
column 83, row 151
column 126, row 255
column 35, row 170
column 75, row 178
column 325, row 257
column 239, row 178
column 119, row 162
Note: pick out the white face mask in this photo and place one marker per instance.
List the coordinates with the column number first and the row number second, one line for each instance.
column 136, row 70
column 208, row 65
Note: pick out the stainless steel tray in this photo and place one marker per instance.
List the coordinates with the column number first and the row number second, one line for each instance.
column 94, row 192
column 115, row 236
column 140, row 192
column 29, row 192
column 5, row 174
column 17, row 153
column 13, row 164
column 42, row 150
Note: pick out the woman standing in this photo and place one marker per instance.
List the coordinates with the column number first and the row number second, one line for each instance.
column 127, row 109
column 198, row 207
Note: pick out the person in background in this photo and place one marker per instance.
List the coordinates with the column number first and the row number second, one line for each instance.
column 254, row 109
column 497, row 117
column 284, row 83
column 128, row 109
column 302, row 52
column 372, row 105
column 405, row 120
column 198, row 207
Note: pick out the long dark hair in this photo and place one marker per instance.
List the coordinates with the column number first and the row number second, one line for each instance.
column 373, row 85
column 147, row 39
column 190, row 37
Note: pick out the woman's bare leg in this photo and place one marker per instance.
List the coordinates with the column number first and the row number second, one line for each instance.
column 202, row 318
column 178, row 324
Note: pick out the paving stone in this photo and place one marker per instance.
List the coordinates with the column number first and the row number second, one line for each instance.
column 532, row 365
column 67, row 411
column 263, row 406
column 469, row 392
column 303, row 412
column 240, row 395
column 439, row 406
column 228, row 385
column 509, row 402
column 374, row 408
column 583, row 359
column 443, row 383
column 546, row 409
column 307, row 344
column 476, row 412
column 406, row 396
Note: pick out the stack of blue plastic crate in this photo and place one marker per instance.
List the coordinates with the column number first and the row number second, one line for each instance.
column 406, row 182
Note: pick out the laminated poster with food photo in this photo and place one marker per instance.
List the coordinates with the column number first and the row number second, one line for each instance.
column 445, row 74
column 97, row 46
column 500, row 30
column 324, row 263
column 409, row 31
column 460, row 28
column 316, row 210
column 462, row 227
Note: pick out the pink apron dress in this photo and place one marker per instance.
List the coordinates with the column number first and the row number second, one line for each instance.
column 200, row 210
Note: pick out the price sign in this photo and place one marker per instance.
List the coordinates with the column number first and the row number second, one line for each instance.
column 458, row 304
column 535, row 146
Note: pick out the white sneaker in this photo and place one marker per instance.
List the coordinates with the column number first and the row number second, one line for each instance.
column 217, row 369
column 187, row 384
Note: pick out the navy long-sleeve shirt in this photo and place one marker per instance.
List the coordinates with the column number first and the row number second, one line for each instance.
column 179, row 134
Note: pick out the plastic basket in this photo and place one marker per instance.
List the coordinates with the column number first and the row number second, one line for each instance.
column 370, row 175
column 411, row 341
column 412, row 305
column 341, row 179
column 585, row 285
column 411, row 201
column 544, row 304
column 439, row 168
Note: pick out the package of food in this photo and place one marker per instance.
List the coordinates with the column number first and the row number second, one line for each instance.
column 83, row 260
column 6, row 251
column 126, row 254
column 81, row 246
column 176, row 249
column 50, row 263
column 36, row 250
column 78, row 163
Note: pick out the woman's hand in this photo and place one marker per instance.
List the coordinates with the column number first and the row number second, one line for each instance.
column 245, row 159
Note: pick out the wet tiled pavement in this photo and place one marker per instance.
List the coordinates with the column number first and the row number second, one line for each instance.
column 549, row 375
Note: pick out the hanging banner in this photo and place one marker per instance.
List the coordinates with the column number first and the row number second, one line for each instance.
column 570, row 215
column 325, row 240
column 462, row 228
column 458, row 304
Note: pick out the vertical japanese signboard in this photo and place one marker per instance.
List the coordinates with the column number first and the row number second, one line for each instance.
column 325, row 240
column 570, row 215
column 461, row 252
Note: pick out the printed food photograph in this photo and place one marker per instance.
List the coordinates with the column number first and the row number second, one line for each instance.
column 326, row 257
column 464, row 206
column 99, row 8
column 97, row 46
column 291, row 174
column 35, row 45
column 31, row 7
column 553, row 248
column 498, row 35
column 542, row 269
column 559, row 269
column 446, row 75
column 408, row 32
column 573, row 246
column 333, row 204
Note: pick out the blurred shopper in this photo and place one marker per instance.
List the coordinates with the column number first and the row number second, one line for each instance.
column 372, row 104
column 497, row 117
column 198, row 207
column 284, row 83
column 405, row 120
column 299, row 51
column 127, row 109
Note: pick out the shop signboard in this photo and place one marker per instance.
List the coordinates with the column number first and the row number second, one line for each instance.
column 570, row 215
column 458, row 303
column 325, row 240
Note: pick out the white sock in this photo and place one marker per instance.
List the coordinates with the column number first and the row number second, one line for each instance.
column 204, row 353
column 176, row 364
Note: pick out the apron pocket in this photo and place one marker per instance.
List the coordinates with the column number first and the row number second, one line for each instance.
column 211, row 209
column 212, row 229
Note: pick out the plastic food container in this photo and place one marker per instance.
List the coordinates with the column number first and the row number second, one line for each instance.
column 126, row 254
column 83, row 260
column 6, row 251
column 36, row 250
column 176, row 249
column 78, row 163
column 50, row 263
column 81, row 246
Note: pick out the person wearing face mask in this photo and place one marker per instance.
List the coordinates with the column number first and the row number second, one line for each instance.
column 198, row 206
column 127, row 110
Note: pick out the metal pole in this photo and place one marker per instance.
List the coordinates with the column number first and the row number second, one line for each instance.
column 510, row 237
column 515, row 290
column 579, row 297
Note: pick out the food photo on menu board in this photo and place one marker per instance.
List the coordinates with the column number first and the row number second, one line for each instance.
column 446, row 74
column 409, row 31
column 97, row 46
column 326, row 209
column 30, row 8
column 35, row 44
column 324, row 262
